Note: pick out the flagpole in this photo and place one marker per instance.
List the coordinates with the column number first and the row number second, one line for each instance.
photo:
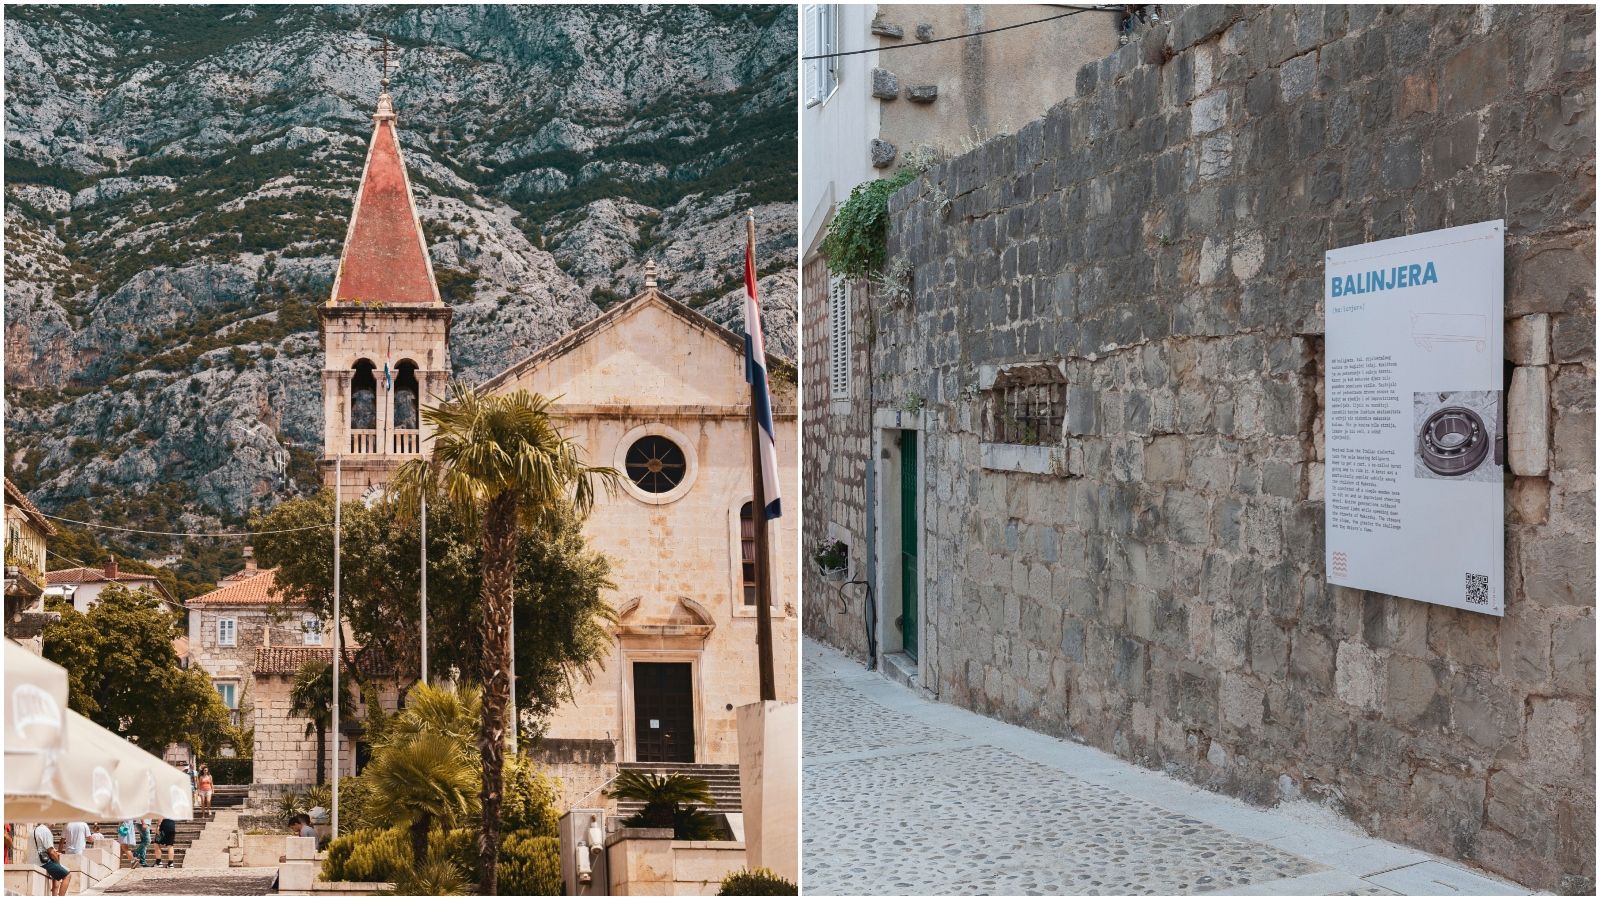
column 758, row 507
column 338, row 484
column 424, row 588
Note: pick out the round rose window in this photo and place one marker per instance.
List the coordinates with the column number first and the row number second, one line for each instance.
column 655, row 464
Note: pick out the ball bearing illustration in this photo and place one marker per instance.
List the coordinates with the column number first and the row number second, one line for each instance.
column 1454, row 441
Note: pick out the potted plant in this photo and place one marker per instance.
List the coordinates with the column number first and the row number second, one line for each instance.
column 832, row 559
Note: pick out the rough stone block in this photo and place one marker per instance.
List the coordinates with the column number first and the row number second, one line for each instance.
column 922, row 93
column 1528, row 340
column 1358, row 677
column 1241, row 702
column 888, row 30
column 1572, row 655
column 882, row 153
column 1528, row 421
column 885, row 86
column 1296, row 77
column 924, row 32
column 1208, row 113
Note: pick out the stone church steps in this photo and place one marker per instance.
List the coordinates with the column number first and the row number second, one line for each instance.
column 723, row 778
column 223, row 797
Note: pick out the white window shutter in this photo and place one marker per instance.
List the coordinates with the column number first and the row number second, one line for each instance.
column 839, row 338
column 812, row 40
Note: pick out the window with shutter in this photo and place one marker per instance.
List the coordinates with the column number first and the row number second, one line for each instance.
column 227, row 632
column 820, row 39
column 839, row 337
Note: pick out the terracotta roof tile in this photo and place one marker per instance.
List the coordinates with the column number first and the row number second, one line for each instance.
column 385, row 256
column 15, row 495
column 288, row 660
column 88, row 574
column 250, row 590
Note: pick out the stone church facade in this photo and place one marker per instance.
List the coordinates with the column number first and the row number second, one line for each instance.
column 652, row 388
column 1143, row 266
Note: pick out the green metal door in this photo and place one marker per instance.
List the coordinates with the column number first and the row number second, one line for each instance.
column 908, row 542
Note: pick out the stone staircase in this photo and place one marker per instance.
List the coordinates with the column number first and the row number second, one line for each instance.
column 722, row 777
column 224, row 801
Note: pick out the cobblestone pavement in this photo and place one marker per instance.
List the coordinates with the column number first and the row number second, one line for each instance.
column 905, row 795
column 240, row 882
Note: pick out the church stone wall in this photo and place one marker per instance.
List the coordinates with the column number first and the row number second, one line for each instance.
column 1162, row 237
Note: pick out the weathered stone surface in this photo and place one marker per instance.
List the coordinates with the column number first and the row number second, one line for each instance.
column 882, row 153
column 885, row 86
column 887, row 29
column 924, row 32
column 922, row 93
column 1528, row 340
column 1158, row 237
column 1528, row 421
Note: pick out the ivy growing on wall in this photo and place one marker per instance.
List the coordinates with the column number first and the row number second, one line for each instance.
column 858, row 236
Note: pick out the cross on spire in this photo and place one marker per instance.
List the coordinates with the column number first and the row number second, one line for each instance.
column 385, row 48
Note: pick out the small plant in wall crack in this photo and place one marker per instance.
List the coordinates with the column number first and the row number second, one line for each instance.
column 914, row 403
column 831, row 557
column 893, row 283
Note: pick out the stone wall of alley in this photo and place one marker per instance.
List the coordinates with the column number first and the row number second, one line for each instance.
column 1160, row 237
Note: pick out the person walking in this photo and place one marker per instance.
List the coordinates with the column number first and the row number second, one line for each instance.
column 128, row 837
column 142, row 833
column 169, row 840
column 44, row 847
column 204, row 785
column 74, row 837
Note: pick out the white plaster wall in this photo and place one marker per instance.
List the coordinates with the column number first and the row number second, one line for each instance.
column 834, row 135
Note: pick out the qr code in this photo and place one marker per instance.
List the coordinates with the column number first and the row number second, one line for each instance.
column 1477, row 589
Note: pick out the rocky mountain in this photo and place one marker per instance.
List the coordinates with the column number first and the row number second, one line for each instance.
column 178, row 181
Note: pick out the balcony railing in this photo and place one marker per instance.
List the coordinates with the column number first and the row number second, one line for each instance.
column 407, row 443
column 363, row 441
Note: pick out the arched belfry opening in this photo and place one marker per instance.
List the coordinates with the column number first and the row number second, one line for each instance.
column 405, row 396
column 363, row 406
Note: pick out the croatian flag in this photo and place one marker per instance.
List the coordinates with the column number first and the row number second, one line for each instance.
column 755, row 372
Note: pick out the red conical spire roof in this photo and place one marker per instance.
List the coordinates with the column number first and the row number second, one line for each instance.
column 385, row 257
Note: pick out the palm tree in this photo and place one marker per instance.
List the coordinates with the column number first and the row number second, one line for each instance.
column 421, row 781
column 503, row 464
column 312, row 697
column 662, row 795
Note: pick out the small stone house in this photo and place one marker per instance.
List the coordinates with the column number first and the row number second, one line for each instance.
column 244, row 614
column 285, row 754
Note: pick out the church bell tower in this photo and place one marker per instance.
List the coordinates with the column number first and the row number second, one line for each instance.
column 385, row 331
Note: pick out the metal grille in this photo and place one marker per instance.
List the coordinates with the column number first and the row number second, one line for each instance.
column 1028, row 414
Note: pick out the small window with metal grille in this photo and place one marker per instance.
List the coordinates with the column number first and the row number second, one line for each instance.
column 1027, row 405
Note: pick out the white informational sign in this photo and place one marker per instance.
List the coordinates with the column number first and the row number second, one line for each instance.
column 1413, row 431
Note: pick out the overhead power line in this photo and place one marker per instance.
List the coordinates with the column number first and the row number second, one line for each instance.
column 213, row 534
column 959, row 37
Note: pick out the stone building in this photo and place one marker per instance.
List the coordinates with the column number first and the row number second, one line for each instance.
column 385, row 332
column 1143, row 569
column 652, row 388
column 246, row 613
column 26, row 532
column 285, row 748
column 657, row 391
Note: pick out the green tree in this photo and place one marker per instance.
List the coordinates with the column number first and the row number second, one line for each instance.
column 312, row 696
column 561, row 612
column 501, row 463
column 419, row 782
column 123, row 673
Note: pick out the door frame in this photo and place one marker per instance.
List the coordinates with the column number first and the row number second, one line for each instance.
column 630, row 745
column 886, row 423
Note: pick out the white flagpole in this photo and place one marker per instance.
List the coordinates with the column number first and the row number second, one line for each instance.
column 338, row 483
column 424, row 588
